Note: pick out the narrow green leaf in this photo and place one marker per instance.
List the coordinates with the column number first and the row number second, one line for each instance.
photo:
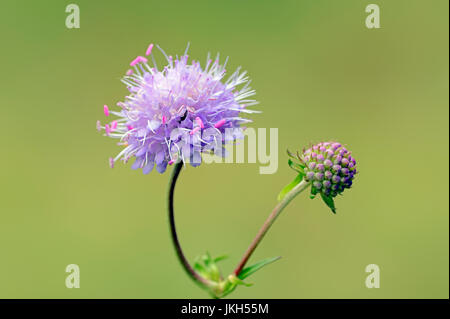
column 200, row 268
column 290, row 154
column 290, row 186
column 207, row 259
column 255, row 267
column 217, row 259
column 330, row 202
column 295, row 166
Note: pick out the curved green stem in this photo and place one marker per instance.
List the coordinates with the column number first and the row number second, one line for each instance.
column 269, row 221
column 183, row 260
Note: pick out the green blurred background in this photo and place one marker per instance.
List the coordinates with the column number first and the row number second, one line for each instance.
column 319, row 73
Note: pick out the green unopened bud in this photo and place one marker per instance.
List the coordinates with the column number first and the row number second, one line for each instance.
column 329, row 167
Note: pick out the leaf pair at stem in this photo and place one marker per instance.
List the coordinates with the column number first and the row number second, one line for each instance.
column 220, row 287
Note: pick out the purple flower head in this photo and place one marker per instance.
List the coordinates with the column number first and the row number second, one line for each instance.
column 337, row 177
column 177, row 112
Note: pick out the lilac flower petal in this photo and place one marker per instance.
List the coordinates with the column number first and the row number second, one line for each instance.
column 154, row 125
column 159, row 157
column 148, row 167
column 161, row 168
column 137, row 163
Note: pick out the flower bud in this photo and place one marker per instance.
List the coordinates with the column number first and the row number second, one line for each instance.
column 330, row 168
column 309, row 176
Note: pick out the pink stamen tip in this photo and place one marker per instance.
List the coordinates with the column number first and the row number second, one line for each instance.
column 129, row 72
column 99, row 126
column 149, row 49
column 111, row 162
column 113, row 125
column 129, row 127
column 107, row 129
column 134, row 62
column 139, row 59
column 220, row 123
column 171, row 162
column 106, row 110
column 164, row 120
column 199, row 122
column 195, row 130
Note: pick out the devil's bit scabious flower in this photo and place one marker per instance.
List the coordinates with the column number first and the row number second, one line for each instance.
column 183, row 96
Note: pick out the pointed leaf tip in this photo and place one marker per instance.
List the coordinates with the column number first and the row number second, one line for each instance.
column 255, row 267
column 217, row 259
column 329, row 202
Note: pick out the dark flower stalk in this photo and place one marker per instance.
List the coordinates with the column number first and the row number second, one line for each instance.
column 183, row 260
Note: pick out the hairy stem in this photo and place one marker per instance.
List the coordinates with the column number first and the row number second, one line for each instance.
column 269, row 221
column 184, row 262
